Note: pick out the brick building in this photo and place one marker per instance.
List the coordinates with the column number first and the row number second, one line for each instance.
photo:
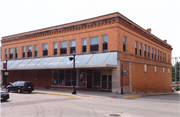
column 104, row 46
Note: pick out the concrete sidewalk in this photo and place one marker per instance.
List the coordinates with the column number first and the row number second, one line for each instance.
column 95, row 94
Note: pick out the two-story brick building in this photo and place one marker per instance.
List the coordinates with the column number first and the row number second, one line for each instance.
column 104, row 46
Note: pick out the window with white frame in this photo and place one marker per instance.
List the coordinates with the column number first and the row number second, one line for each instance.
column 72, row 46
column 145, row 68
column 144, row 50
column 94, row 44
column 11, row 53
column 84, row 44
column 136, row 48
column 29, row 51
column 155, row 54
column 63, row 47
column 104, row 42
column 152, row 53
column 156, row 69
column 148, row 52
column 45, row 49
column 35, row 50
column 5, row 53
column 169, row 70
column 55, row 48
column 16, row 52
column 140, row 49
column 163, row 70
column 124, row 44
column 23, row 52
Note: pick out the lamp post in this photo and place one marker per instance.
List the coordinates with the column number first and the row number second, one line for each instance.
column 5, row 73
column 74, row 78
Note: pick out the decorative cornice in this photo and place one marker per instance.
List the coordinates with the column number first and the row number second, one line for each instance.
column 107, row 21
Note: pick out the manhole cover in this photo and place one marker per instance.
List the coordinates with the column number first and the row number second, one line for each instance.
column 115, row 115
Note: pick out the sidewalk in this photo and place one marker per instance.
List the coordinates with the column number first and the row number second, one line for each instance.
column 95, row 94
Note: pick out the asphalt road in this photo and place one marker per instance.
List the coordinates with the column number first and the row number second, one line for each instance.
column 43, row 105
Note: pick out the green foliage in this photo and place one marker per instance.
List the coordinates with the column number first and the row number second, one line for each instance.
column 173, row 72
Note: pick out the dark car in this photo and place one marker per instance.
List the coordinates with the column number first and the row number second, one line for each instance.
column 21, row 86
column 4, row 95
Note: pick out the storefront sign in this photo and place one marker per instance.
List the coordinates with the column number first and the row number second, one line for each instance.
column 6, row 73
column 124, row 73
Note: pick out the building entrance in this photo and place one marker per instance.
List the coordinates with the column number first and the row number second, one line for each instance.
column 89, row 82
column 106, row 82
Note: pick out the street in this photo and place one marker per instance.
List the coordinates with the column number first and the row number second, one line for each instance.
column 43, row 105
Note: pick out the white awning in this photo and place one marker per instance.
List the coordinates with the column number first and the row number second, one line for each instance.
column 82, row 61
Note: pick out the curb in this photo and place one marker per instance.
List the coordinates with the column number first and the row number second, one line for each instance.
column 132, row 96
column 61, row 94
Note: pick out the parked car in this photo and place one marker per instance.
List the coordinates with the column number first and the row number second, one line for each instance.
column 4, row 95
column 21, row 86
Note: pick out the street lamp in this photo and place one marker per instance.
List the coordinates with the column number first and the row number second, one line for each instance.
column 74, row 78
column 5, row 73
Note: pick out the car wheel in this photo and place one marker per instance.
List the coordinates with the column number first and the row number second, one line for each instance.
column 29, row 91
column 19, row 90
column 8, row 90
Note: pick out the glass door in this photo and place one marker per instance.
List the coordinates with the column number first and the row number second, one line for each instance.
column 106, row 82
column 89, row 82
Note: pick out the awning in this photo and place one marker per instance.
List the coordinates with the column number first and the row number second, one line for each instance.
column 82, row 61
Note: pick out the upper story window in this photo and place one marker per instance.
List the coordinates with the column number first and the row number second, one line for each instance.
column 144, row 50
column 11, row 53
column 148, row 52
column 104, row 42
column 72, row 46
column 124, row 44
column 140, row 49
column 35, row 50
column 152, row 52
column 23, row 52
column 155, row 54
column 94, row 44
column 158, row 55
column 55, row 48
column 16, row 52
column 45, row 49
column 168, row 58
column 29, row 51
column 165, row 57
column 84, row 44
column 5, row 53
column 163, row 70
column 63, row 47
column 136, row 47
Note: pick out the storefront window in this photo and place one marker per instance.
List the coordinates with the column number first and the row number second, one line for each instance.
column 81, row 77
column 97, row 77
column 62, row 77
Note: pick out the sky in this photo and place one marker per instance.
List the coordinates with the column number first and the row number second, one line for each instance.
column 162, row 16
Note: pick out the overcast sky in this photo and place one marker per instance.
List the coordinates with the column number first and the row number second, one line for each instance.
column 163, row 16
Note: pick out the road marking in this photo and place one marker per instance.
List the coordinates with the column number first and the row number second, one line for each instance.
column 132, row 96
column 60, row 94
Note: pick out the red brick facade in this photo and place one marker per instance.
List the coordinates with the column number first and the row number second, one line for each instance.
column 115, row 26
